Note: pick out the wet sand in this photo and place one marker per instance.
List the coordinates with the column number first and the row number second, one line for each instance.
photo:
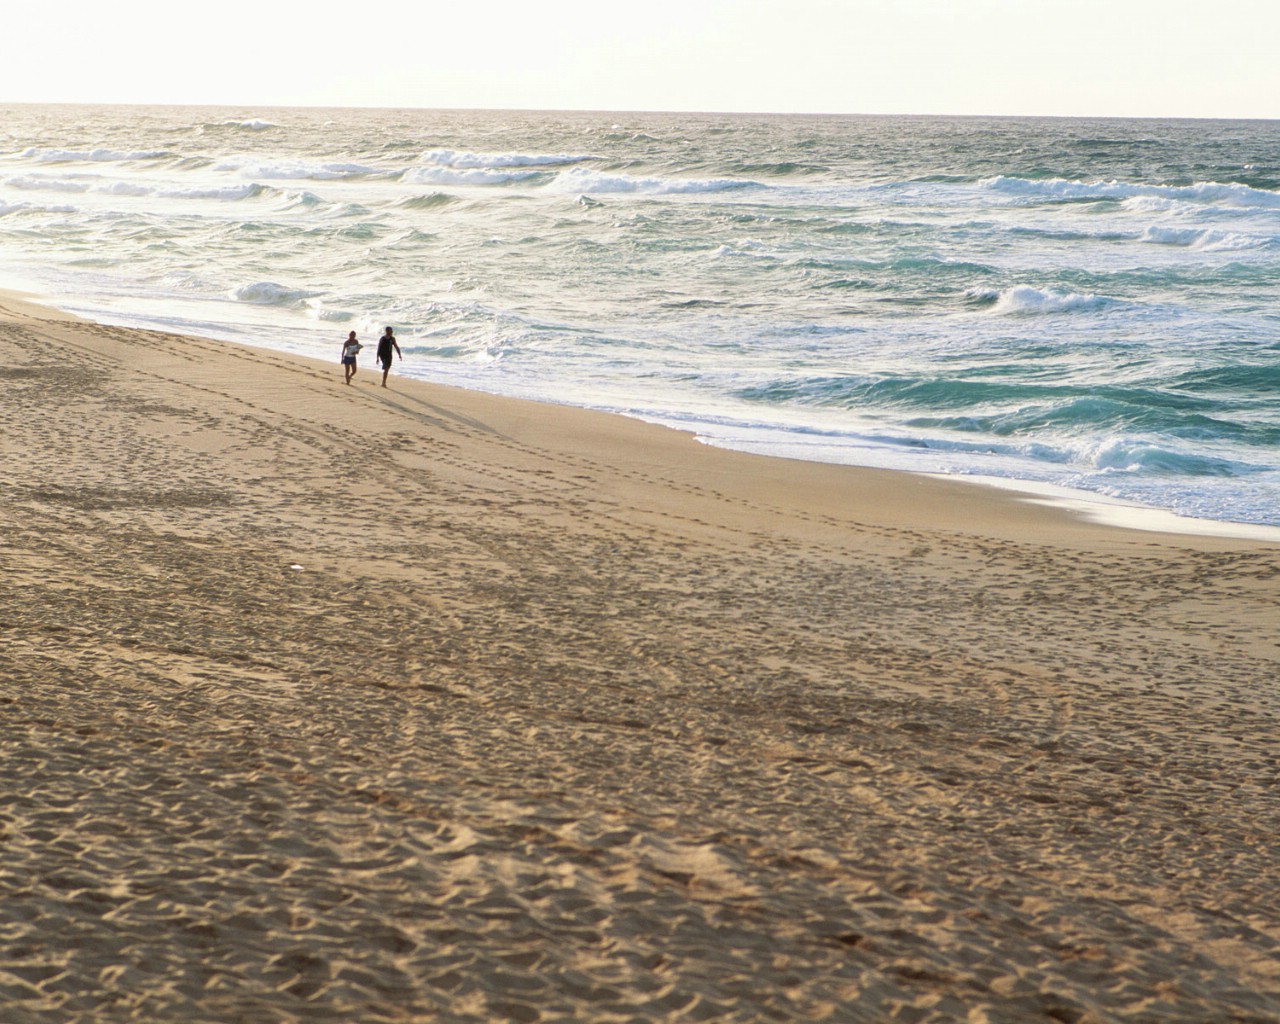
column 343, row 704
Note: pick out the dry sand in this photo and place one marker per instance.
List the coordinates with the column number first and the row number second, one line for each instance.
column 343, row 704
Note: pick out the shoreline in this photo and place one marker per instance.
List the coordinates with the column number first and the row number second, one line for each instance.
column 1114, row 512
column 1089, row 505
column 329, row 703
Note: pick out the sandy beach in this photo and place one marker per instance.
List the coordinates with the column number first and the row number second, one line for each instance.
column 342, row 704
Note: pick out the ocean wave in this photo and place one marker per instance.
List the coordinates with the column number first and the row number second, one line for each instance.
column 231, row 193
column 693, row 304
column 1251, row 380
column 752, row 248
column 1114, row 410
column 1026, row 300
column 66, row 156
column 253, row 124
column 183, row 280
column 297, row 170
column 932, row 265
column 838, row 284
column 1142, row 457
column 268, row 293
column 1106, row 459
column 410, row 239
column 42, row 184
column 1097, row 456
column 125, row 188
column 492, row 161
column 1206, row 239
column 318, row 311
column 585, row 182
column 969, row 402
column 349, row 210
column 1070, row 234
column 360, row 231
column 302, row 200
column 471, row 176
column 430, row 201
column 842, row 392
column 1201, row 193
column 782, row 169
column 10, row 208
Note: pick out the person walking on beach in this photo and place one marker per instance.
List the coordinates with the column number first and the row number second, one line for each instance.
column 349, row 349
column 385, row 346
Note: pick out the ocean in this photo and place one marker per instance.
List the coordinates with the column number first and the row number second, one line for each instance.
column 1087, row 307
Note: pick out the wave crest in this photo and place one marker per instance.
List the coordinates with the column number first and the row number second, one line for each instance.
column 43, row 184
column 43, row 155
column 268, row 293
column 1202, row 193
column 584, row 182
column 305, row 170
column 427, row 202
column 470, row 176
column 1205, row 239
column 1026, row 300
column 1145, row 458
column 490, row 161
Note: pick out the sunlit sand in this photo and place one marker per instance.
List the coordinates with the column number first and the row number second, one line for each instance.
column 336, row 704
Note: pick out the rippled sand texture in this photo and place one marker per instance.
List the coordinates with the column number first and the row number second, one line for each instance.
column 329, row 704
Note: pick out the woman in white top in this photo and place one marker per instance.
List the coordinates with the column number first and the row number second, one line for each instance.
column 349, row 349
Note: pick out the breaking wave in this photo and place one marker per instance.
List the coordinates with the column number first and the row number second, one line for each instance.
column 1026, row 300
column 1059, row 189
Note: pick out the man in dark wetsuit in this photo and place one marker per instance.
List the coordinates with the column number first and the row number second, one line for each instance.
column 385, row 346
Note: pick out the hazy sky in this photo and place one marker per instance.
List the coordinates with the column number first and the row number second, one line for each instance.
column 1187, row 58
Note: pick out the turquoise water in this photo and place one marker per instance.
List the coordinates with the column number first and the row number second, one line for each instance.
column 1085, row 304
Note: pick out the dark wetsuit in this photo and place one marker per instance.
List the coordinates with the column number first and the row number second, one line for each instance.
column 384, row 351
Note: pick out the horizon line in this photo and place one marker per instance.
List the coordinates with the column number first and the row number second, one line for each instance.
column 690, row 112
